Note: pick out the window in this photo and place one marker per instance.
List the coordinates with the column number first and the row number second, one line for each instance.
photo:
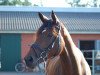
column 87, row 46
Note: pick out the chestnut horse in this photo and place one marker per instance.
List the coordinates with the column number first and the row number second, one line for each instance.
column 55, row 45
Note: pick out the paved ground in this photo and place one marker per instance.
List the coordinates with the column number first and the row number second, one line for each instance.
column 14, row 73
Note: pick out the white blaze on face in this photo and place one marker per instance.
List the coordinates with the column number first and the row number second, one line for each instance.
column 44, row 31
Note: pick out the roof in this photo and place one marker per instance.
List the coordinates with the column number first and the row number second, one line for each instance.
column 29, row 22
column 47, row 9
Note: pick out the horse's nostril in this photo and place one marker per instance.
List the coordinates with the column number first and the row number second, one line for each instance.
column 25, row 60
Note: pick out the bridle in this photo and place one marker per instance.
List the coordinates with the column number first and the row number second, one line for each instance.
column 49, row 47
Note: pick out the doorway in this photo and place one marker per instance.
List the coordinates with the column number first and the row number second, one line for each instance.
column 87, row 46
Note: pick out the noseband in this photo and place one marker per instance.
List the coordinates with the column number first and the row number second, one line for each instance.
column 48, row 48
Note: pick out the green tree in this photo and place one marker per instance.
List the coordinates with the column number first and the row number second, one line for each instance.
column 15, row 2
column 4, row 2
column 26, row 3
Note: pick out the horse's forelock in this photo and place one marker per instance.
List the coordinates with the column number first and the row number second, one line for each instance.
column 45, row 25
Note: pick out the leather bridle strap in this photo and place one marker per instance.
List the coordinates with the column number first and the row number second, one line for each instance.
column 47, row 49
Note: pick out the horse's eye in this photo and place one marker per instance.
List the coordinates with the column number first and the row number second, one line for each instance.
column 49, row 35
column 30, row 59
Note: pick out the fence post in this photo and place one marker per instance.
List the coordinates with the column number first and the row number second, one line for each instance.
column 93, row 62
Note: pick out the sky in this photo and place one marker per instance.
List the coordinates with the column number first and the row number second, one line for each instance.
column 50, row 3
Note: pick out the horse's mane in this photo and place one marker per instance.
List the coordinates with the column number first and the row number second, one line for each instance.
column 46, row 25
column 57, row 65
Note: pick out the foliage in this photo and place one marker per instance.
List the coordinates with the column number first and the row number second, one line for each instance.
column 87, row 3
column 15, row 2
column 26, row 3
column 71, row 3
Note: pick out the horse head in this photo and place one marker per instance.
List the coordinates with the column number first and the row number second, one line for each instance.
column 48, row 42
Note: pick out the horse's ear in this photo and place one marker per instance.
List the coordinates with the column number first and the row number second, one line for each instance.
column 42, row 17
column 54, row 17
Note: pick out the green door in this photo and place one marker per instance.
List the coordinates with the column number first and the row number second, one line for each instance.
column 10, row 51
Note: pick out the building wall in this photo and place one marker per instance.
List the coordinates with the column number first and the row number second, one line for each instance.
column 77, row 37
column 17, row 45
column 27, row 39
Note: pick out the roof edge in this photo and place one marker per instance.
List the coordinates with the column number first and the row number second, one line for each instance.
column 30, row 32
column 84, row 32
column 18, row 32
column 47, row 9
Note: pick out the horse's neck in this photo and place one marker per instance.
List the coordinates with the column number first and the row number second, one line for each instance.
column 69, row 44
column 59, row 65
column 66, row 62
column 70, row 47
